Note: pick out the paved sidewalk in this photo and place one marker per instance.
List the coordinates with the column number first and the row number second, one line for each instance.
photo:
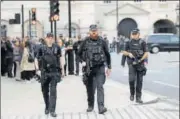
column 21, row 100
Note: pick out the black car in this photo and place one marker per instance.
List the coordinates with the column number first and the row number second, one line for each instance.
column 162, row 43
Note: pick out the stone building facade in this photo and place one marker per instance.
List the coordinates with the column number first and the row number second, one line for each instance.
column 146, row 15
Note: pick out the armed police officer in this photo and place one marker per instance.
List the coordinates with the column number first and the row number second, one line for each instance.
column 49, row 54
column 94, row 53
column 136, row 52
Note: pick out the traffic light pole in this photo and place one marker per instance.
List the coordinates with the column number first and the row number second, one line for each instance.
column 51, row 23
column 30, row 24
column 70, row 51
column 69, row 15
column 117, row 15
column 55, row 34
column 22, row 10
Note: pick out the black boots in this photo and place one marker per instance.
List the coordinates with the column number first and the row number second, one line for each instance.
column 46, row 111
column 90, row 109
column 53, row 114
column 103, row 110
column 132, row 97
column 138, row 100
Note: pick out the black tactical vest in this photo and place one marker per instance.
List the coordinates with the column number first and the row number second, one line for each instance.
column 135, row 47
column 50, row 58
column 95, row 52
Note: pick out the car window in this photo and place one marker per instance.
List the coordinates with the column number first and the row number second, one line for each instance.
column 159, row 38
column 175, row 39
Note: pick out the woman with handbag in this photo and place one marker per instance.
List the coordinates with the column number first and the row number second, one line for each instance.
column 27, row 62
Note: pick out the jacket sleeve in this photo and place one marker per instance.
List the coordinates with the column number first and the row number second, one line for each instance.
column 81, row 50
column 107, row 54
column 123, row 60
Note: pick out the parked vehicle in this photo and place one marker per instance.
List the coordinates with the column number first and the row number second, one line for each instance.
column 162, row 42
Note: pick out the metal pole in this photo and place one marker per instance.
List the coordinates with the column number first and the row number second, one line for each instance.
column 69, row 15
column 117, row 15
column 70, row 52
column 30, row 24
column 51, row 23
column 22, row 10
column 55, row 34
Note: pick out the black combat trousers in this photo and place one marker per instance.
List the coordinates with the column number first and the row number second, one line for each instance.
column 135, row 81
column 96, row 80
column 3, row 65
column 49, row 98
column 70, row 62
column 9, row 67
column 77, row 60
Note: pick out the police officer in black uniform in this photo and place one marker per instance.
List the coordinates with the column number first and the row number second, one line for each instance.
column 49, row 54
column 76, row 46
column 94, row 53
column 136, row 52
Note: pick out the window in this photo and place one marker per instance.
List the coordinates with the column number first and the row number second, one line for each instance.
column 33, row 31
column 73, row 33
column 159, row 38
column 174, row 39
column 107, row 1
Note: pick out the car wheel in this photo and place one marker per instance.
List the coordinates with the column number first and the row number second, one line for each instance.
column 155, row 50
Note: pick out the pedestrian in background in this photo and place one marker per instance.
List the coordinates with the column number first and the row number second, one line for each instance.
column 62, row 58
column 17, row 51
column 27, row 62
column 9, row 56
column 76, row 46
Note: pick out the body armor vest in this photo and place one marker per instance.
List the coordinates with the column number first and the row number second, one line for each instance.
column 50, row 58
column 95, row 52
column 136, row 48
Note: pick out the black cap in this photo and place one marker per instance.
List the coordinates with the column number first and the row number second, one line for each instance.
column 93, row 27
column 49, row 35
column 135, row 31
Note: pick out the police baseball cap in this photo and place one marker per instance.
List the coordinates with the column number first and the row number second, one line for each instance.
column 135, row 31
column 93, row 27
column 49, row 35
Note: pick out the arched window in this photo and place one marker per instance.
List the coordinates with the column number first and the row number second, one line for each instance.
column 73, row 32
column 33, row 31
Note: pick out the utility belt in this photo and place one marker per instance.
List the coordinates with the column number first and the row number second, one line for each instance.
column 140, row 67
column 95, row 64
column 49, row 69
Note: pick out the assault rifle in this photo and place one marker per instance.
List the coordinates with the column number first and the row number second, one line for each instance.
column 86, row 69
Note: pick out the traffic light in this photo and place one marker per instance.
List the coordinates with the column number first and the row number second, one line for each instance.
column 17, row 19
column 54, row 9
column 33, row 11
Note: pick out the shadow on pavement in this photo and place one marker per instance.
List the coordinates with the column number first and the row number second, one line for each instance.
column 150, row 102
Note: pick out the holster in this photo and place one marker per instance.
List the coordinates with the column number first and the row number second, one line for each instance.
column 141, row 68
